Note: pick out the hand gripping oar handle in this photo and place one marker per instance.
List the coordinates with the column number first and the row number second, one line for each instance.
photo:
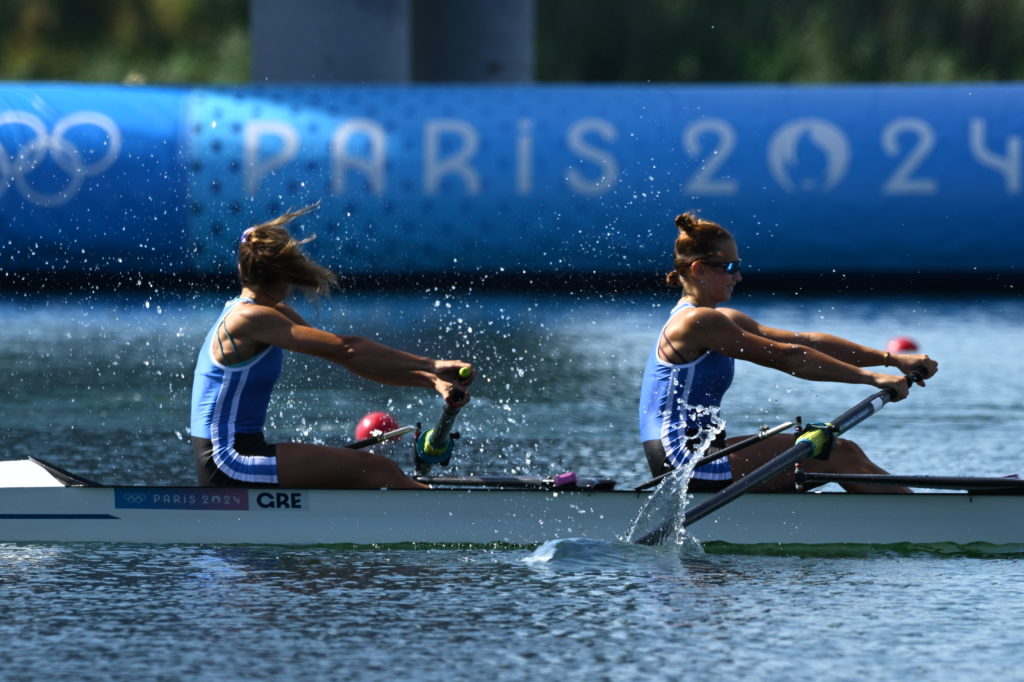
column 436, row 445
column 813, row 441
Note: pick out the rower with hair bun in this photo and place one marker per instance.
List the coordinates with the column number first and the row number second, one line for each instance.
column 241, row 359
column 691, row 366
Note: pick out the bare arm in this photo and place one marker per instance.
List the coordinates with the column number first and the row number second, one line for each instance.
column 715, row 330
column 291, row 314
column 837, row 347
column 359, row 355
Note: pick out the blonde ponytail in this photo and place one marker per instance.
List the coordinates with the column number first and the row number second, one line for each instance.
column 269, row 254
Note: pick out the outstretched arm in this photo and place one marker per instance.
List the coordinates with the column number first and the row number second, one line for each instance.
column 715, row 330
column 839, row 348
column 357, row 354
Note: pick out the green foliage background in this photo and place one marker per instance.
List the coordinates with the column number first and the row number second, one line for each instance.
column 155, row 41
column 207, row 41
column 780, row 40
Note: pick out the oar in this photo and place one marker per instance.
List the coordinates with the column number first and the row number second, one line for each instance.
column 435, row 446
column 372, row 440
column 812, row 442
column 718, row 454
column 576, row 483
column 974, row 484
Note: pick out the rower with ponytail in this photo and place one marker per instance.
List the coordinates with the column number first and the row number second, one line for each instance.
column 241, row 359
column 691, row 366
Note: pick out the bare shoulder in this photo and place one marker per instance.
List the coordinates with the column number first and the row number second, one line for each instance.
column 256, row 316
column 291, row 314
column 707, row 315
column 698, row 319
column 739, row 319
column 273, row 327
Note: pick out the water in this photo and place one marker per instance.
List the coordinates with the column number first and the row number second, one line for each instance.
column 99, row 385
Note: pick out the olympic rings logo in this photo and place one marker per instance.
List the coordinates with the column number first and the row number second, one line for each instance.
column 134, row 498
column 19, row 166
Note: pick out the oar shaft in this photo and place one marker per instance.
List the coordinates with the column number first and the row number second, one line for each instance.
column 486, row 481
column 801, row 450
column 439, row 435
column 435, row 446
column 972, row 483
column 806, row 446
column 862, row 410
column 372, row 440
column 724, row 452
column 518, row 482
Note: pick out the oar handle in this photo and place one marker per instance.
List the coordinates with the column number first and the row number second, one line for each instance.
column 913, row 378
column 436, row 445
column 438, row 437
column 867, row 407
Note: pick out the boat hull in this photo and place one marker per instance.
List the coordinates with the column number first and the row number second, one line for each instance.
column 487, row 517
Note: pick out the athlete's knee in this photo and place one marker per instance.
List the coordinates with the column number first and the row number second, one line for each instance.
column 848, row 450
column 391, row 466
column 383, row 468
column 847, row 457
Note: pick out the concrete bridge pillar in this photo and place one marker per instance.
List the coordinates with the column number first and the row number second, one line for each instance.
column 391, row 41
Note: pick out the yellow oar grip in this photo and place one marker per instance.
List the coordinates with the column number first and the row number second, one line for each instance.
column 431, row 450
column 820, row 436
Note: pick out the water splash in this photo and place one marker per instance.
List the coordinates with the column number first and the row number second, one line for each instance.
column 712, row 425
column 666, row 507
column 602, row 555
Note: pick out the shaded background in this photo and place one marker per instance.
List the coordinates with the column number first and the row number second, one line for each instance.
column 207, row 41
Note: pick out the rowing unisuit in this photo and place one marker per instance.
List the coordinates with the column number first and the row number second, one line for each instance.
column 229, row 409
column 674, row 401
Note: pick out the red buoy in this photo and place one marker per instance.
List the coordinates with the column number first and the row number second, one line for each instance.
column 901, row 344
column 374, row 424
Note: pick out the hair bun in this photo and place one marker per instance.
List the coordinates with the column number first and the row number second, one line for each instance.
column 686, row 222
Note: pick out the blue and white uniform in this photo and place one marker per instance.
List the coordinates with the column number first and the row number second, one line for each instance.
column 673, row 405
column 229, row 409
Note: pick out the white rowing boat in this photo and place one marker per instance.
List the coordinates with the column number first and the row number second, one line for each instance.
column 40, row 503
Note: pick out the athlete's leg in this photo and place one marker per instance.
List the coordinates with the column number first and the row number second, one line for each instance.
column 303, row 465
column 846, row 458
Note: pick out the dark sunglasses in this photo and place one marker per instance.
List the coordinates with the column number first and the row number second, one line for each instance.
column 731, row 268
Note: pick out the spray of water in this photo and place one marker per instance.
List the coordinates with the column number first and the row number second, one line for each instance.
column 669, row 500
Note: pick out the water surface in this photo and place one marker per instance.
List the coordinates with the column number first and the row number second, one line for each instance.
column 99, row 385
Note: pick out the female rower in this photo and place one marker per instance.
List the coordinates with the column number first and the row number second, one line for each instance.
column 691, row 367
column 241, row 359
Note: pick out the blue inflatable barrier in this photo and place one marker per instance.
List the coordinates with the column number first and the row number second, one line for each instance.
column 518, row 179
